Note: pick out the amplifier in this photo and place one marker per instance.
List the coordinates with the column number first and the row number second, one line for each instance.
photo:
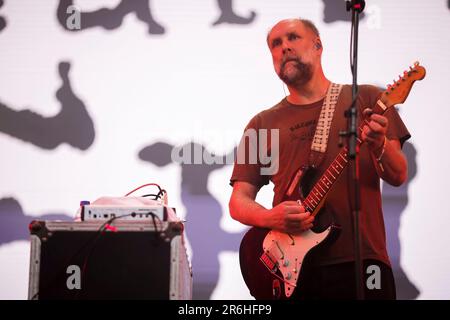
column 127, row 260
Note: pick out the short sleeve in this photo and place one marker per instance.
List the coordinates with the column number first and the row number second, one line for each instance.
column 246, row 164
column 396, row 127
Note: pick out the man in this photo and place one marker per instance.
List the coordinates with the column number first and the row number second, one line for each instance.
column 296, row 50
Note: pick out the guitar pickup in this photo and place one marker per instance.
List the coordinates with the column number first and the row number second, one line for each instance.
column 269, row 261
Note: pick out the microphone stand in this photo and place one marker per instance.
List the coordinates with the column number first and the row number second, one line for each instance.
column 356, row 6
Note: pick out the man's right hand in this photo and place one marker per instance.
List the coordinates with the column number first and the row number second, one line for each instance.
column 290, row 217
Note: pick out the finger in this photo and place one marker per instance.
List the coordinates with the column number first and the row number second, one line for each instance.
column 305, row 215
column 300, row 223
column 367, row 112
column 363, row 135
column 372, row 133
column 376, row 127
column 382, row 120
column 297, row 217
column 369, row 136
column 290, row 203
column 371, row 140
column 295, row 209
column 296, row 204
column 366, row 132
column 308, row 220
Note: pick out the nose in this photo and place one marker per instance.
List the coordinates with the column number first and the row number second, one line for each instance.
column 286, row 47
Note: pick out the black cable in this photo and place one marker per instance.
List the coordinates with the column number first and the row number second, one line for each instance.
column 155, row 196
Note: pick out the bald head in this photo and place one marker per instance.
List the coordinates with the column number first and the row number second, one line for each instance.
column 307, row 24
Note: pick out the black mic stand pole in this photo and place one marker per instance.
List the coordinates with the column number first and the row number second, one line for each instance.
column 357, row 6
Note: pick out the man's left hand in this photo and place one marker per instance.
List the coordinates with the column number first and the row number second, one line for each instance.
column 374, row 131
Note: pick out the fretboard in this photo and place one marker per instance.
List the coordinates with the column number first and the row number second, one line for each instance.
column 334, row 170
column 326, row 181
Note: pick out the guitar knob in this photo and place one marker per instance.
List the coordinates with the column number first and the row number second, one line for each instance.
column 288, row 276
column 285, row 263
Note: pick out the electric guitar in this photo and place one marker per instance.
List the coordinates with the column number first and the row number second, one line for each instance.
column 271, row 260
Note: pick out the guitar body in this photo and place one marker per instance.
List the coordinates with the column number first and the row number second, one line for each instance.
column 262, row 283
column 271, row 261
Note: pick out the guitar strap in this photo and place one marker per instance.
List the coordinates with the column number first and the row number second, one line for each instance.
column 320, row 140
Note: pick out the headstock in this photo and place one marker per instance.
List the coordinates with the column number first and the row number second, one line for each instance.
column 397, row 92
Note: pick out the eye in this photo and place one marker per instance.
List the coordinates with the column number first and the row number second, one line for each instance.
column 293, row 36
column 276, row 43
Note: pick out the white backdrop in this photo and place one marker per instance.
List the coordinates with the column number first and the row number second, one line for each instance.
column 203, row 82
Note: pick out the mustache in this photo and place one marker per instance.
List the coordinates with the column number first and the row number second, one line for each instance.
column 288, row 59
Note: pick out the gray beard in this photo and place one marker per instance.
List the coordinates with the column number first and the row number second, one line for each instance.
column 302, row 75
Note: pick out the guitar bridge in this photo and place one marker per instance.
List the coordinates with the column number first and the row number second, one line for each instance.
column 269, row 261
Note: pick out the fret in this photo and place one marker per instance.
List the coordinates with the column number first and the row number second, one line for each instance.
column 324, row 192
column 318, row 192
column 316, row 198
column 312, row 199
column 323, row 183
column 331, row 173
column 337, row 171
column 343, row 158
column 308, row 204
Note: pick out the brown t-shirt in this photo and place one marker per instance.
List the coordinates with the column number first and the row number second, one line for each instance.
column 296, row 126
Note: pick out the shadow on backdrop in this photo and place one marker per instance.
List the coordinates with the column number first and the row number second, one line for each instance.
column 14, row 222
column 395, row 200
column 111, row 19
column 2, row 19
column 203, row 215
column 72, row 125
column 334, row 11
column 227, row 14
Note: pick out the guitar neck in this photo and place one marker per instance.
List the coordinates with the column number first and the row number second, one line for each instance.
column 334, row 170
column 394, row 94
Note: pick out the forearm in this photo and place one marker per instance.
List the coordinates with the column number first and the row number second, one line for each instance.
column 392, row 166
column 247, row 211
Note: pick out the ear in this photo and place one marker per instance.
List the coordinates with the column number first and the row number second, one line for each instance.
column 318, row 44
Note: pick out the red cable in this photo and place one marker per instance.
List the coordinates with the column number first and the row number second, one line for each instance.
column 144, row 185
